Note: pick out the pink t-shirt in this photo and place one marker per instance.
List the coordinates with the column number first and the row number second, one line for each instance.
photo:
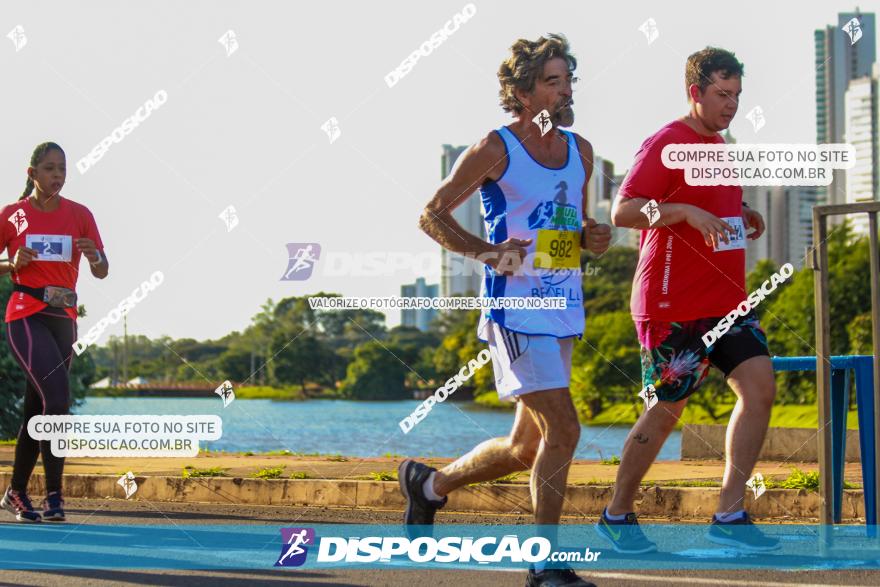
column 63, row 226
column 679, row 277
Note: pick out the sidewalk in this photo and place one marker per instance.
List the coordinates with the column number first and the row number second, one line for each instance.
column 237, row 465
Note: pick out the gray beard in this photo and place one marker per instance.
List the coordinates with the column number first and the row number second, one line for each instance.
column 564, row 117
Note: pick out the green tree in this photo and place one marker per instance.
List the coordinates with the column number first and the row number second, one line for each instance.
column 303, row 359
column 375, row 373
column 606, row 365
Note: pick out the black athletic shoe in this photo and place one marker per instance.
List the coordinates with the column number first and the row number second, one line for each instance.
column 18, row 503
column 741, row 533
column 556, row 578
column 53, row 507
column 625, row 535
column 419, row 509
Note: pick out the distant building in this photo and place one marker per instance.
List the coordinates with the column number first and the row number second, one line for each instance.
column 461, row 276
column 788, row 218
column 860, row 130
column 420, row 318
column 839, row 61
column 622, row 237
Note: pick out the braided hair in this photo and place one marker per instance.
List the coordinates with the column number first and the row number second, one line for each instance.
column 37, row 156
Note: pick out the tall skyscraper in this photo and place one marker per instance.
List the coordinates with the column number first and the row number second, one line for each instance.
column 422, row 317
column 840, row 58
column 861, row 131
column 461, row 276
column 788, row 217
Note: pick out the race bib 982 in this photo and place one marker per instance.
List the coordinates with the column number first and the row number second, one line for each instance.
column 558, row 249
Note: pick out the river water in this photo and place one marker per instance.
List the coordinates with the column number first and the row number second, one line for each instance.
column 356, row 428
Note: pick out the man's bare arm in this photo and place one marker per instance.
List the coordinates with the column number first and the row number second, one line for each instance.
column 627, row 213
column 485, row 160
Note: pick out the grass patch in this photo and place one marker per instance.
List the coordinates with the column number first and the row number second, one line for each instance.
column 300, row 475
column 392, row 455
column 614, row 460
column 790, row 416
column 267, row 392
column 383, row 476
column 10, row 442
column 269, row 473
column 490, row 400
column 798, row 479
column 511, row 478
column 190, row 471
column 337, row 459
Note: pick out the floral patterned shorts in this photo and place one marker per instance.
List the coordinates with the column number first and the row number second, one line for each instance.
column 675, row 360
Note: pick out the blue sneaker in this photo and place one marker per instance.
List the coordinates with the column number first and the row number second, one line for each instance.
column 18, row 503
column 625, row 535
column 53, row 507
column 741, row 533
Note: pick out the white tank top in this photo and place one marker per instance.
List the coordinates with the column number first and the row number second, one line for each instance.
column 528, row 197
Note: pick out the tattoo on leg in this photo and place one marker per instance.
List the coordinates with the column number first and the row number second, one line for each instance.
column 641, row 438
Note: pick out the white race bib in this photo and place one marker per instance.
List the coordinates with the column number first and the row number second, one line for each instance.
column 50, row 247
column 737, row 238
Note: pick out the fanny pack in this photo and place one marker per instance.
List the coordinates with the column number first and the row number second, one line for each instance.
column 55, row 296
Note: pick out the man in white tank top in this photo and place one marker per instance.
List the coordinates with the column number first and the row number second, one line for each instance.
column 532, row 177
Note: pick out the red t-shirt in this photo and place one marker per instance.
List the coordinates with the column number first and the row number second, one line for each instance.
column 55, row 233
column 679, row 277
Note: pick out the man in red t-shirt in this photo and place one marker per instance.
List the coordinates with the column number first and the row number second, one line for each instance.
column 690, row 274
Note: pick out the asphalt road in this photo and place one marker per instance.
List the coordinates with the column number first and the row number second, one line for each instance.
column 84, row 513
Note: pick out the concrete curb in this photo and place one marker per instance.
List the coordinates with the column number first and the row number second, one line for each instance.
column 662, row 502
column 706, row 441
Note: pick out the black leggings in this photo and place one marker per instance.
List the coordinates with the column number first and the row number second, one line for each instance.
column 42, row 343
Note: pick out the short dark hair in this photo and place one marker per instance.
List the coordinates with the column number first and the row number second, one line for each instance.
column 702, row 64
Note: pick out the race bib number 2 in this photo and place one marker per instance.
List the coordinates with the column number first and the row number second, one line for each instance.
column 558, row 249
column 50, row 247
column 737, row 237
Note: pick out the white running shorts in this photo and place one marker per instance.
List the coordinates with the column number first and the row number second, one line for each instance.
column 525, row 363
